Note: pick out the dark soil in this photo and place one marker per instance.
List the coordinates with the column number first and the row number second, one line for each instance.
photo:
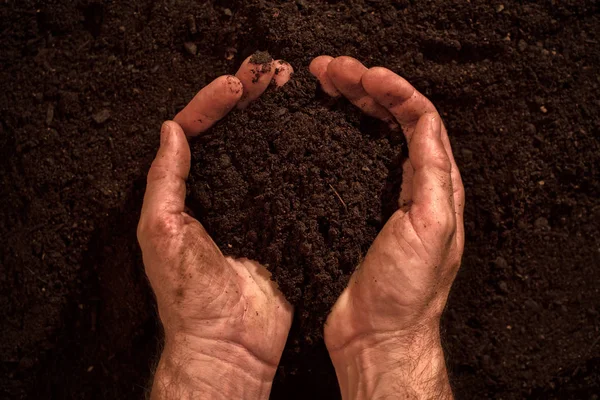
column 296, row 181
column 302, row 185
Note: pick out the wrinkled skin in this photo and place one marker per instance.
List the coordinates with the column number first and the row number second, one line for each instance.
column 225, row 321
column 395, row 298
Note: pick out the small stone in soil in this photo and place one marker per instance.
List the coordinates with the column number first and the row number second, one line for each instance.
column 522, row 45
column 503, row 287
column 530, row 129
column 50, row 114
column 191, row 48
column 191, row 24
column 467, row 154
column 533, row 305
column 101, row 116
column 542, row 223
column 500, row 262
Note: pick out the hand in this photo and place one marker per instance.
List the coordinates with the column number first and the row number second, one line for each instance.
column 383, row 332
column 224, row 320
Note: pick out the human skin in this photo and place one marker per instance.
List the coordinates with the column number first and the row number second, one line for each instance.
column 383, row 332
column 225, row 322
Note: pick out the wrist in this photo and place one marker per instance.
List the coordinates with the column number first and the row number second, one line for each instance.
column 404, row 364
column 199, row 368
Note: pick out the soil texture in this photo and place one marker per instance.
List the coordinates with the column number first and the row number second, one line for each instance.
column 297, row 181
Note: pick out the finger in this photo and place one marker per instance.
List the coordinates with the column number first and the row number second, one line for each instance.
column 255, row 73
column 165, row 189
column 408, row 106
column 211, row 104
column 346, row 74
column 318, row 67
column 398, row 96
column 432, row 210
column 283, row 72
column 458, row 189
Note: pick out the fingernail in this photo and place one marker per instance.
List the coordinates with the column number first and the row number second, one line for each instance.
column 165, row 132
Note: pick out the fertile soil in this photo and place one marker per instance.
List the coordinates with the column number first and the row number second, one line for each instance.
column 296, row 181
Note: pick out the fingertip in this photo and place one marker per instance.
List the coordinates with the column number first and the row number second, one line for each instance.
column 345, row 74
column 255, row 74
column 346, row 66
column 283, row 72
column 173, row 143
column 397, row 95
column 387, row 87
column 318, row 67
column 232, row 87
column 210, row 104
column 169, row 132
column 165, row 132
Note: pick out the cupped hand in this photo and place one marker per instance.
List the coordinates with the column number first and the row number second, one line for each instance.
column 383, row 332
column 225, row 321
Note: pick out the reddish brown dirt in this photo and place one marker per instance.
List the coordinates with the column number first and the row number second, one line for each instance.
column 86, row 85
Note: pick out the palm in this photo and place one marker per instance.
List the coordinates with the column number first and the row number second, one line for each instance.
column 235, row 299
column 212, row 297
column 391, row 290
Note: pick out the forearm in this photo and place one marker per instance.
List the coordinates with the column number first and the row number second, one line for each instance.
column 391, row 365
column 210, row 370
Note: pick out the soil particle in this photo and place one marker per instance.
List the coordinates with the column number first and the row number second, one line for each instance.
column 191, row 48
column 191, row 24
column 101, row 116
column 522, row 45
column 542, row 223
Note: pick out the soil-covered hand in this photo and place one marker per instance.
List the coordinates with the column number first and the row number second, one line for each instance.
column 224, row 320
column 383, row 332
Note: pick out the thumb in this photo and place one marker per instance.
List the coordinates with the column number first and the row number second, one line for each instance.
column 165, row 189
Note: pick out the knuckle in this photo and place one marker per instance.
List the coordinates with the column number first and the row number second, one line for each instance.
column 230, row 83
column 442, row 161
column 459, row 189
column 157, row 228
column 157, row 172
column 165, row 225
column 441, row 222
column 141, row 230
column 447, row 223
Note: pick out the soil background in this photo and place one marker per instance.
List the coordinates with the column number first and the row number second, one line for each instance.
column 86, row 85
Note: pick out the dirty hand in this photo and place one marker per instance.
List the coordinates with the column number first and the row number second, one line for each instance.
column 383, row 332
column 224, row 320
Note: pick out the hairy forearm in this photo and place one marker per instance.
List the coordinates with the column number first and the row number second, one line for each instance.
column 210, row 370
column 393, row 365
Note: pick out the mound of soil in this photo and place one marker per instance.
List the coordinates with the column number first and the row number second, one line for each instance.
column 300, row 187
column 86, row 85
